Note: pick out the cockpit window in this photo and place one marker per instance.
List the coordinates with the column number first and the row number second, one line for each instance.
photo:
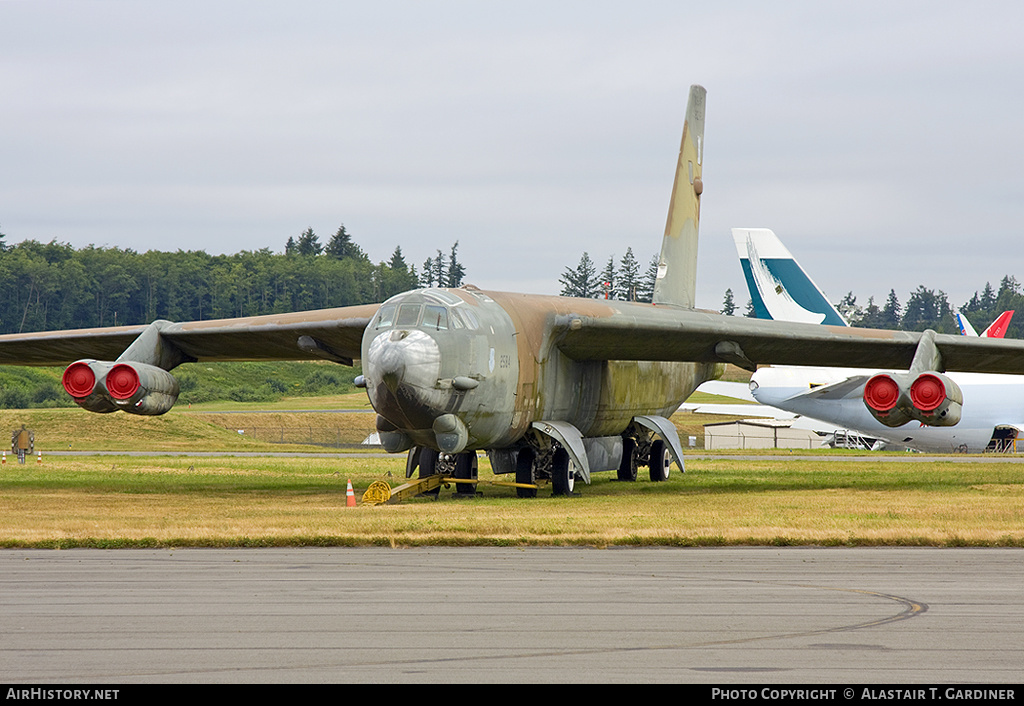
column 408, row 315
column 386, row 316
column 435, row 317
column 469, row 318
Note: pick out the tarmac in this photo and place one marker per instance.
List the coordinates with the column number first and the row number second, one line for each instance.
column 758, row 615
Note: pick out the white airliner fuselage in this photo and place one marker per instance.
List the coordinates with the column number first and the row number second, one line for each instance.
column 991, row 402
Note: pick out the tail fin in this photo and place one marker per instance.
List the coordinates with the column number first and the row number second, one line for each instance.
column 998, row 327
column 779, row 287
column 964, row 325
column 676, row 282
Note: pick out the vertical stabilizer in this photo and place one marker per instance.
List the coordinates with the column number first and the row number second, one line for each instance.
column 676, row 282
column 963, row 324
column 997, row 329
column 779, row 287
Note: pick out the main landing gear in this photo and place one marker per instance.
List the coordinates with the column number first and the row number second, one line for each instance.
column 654, row 454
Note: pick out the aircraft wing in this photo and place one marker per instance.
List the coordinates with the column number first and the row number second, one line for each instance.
column 63, row 347
column 335, row 334
column 852, row 386
column 639, row 332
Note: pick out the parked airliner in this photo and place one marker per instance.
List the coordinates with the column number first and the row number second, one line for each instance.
column 992, row 414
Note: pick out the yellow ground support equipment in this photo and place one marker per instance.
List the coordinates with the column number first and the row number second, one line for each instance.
column 380, row 492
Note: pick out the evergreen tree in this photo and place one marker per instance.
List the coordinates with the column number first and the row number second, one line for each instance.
column 1008, row 296
column 848, row 308
column 341, row 246
column 394, row 277
column 988, row 300
column 927, row 308
column 607, row 281
column 456, row 272
column 870, row 317
column 308, row 243
column 645, row 292
column 582, row 281
column 629, row 277
column 427, row 277
column 728, row 305
column 892, row 313
column 397, row 261
column 440, row 273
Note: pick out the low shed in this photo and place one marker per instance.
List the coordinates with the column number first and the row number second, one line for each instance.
column 758, row 434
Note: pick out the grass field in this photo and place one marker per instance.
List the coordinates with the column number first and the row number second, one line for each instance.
column 182, row 501
column 190, row 500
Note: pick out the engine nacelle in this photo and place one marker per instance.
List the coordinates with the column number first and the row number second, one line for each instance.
column 136, row 388
column 930, row 398
column 83, row 380
column 937, row 400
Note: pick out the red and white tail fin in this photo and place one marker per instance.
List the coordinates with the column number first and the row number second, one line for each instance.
column 999, row 326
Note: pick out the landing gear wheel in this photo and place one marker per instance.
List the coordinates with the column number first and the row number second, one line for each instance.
column 412, row 461
column 628, row 465
column 660, row 461
column 525, row 473
column 428, row 467
column 563, row 474
column 465, row 467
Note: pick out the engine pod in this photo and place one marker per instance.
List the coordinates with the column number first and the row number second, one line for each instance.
column 138, row 388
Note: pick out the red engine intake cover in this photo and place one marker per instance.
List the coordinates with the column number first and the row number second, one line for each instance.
column 79, row 380
column 122, row 382
column 881, row 393
column 927, row 392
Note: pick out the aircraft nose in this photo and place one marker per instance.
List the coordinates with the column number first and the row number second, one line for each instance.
column 388, row 361
column 402, row 368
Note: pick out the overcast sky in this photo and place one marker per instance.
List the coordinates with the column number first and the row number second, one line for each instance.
column 882, row 141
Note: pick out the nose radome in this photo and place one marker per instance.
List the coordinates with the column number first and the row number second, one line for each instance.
column 388, row 362
column 402, row 369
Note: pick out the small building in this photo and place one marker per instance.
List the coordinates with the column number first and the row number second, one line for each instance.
column 759, row 434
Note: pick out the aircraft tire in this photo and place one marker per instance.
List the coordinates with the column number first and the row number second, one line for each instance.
column 412, row 461
column 563, row 474
column 660, row 461
column 465, row 467
column 428, row 467
column 525, row 473
column 628, row 465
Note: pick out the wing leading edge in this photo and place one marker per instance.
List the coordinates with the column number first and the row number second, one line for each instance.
column 641, row 332
column 334, row 334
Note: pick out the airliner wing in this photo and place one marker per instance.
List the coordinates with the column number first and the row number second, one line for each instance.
column 850, row 387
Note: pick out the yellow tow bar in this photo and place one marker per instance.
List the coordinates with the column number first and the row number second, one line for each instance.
column 380, row 492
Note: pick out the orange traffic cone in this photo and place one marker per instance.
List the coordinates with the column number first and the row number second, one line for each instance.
column 350, row 500
column 4, row 461
column 39, row 458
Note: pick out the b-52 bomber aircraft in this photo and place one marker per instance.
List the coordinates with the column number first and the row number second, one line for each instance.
column 550, row 387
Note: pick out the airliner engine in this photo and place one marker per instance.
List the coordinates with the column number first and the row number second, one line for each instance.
column 930, row 398
column 136, row 388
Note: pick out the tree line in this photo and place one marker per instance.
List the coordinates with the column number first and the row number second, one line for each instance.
column 48, row 286
column 926, row 308
column 622, row 280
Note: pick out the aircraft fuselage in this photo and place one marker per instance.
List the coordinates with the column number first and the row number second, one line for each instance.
column 440, row 361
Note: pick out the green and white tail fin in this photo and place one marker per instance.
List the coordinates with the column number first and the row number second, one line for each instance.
column 676, row 282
